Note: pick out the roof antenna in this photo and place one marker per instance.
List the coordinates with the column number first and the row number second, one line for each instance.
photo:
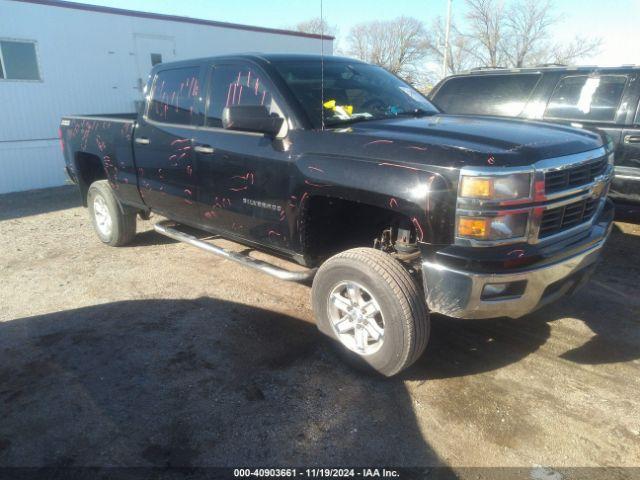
column 321, row 65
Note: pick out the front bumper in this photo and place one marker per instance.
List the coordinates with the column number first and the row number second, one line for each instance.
column 457, row 293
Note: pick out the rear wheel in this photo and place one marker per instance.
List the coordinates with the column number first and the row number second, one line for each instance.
column 114, row 226
column 369, row 304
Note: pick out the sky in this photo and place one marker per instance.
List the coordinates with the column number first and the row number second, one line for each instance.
column 615, row 21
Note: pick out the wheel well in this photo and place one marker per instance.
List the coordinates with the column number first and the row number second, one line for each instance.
column 332, row 225
column 90, row 169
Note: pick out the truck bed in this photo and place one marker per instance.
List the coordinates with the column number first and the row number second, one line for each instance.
column 99, row 144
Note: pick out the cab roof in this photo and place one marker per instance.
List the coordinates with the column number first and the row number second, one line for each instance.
column 263, row 58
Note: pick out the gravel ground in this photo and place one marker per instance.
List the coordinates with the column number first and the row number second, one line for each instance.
column 159, row 354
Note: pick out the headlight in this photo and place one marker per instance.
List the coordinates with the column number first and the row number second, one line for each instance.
column 514, row 186
column 501, row 227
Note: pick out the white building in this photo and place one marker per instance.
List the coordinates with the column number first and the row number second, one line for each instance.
column 59, row 58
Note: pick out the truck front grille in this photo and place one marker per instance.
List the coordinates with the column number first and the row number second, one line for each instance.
column 571, row 177
column 559, row 219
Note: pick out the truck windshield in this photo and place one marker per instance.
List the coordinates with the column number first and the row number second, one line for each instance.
column 353, row 92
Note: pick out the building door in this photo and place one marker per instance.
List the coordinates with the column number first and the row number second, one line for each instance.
column 151, row 50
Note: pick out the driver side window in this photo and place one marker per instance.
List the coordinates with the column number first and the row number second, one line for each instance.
column 238, row 85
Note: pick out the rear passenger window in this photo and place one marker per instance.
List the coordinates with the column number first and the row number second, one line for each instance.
column 503, row 95
column 238, row 85
column 582, row 97
column 174, row 96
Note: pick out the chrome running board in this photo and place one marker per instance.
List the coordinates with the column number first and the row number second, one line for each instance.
column 164, row 228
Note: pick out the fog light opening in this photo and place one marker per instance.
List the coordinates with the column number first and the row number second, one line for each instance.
column 503, row 291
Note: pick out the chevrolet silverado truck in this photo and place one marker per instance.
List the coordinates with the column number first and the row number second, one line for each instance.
column 393, row 209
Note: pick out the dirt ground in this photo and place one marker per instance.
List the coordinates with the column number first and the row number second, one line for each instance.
column 159, row 354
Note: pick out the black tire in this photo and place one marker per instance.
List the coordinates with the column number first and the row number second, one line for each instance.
column 399, row 298
column 122, row 219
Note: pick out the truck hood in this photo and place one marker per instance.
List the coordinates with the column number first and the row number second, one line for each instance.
column 474, row 140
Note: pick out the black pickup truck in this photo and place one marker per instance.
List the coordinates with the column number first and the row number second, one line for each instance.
column 394, row 209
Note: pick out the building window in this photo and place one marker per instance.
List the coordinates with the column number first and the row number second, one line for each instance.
column 18, row 60
column 156, row 58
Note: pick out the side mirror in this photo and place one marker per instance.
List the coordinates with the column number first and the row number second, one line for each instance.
column 251, row 118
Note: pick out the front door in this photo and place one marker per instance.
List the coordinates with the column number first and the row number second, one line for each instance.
column 163, row 143
column 243, row 177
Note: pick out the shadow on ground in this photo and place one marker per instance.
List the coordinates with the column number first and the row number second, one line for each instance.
column 181, row 383
column 466, row 347
column 150, row 238
column 35, row 202
column 629, row 213
column 607, row 305
column 178, row 383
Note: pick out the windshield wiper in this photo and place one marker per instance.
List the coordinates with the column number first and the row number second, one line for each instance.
column 347, row 121
column 416, row 112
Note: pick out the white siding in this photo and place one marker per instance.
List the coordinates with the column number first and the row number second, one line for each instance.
column 88, row 64
column 28, row 165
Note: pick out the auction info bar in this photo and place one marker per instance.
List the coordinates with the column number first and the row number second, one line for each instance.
column 426, row 473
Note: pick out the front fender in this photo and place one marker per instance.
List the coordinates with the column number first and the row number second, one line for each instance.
column 422, row 195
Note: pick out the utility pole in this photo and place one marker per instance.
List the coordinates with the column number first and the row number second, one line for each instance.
column 445, row 57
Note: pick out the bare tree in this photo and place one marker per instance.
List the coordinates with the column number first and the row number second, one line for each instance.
column 517, row 34
column 459, row 57
column 399, row 45
column 527, row 25
column 486, row 21
column 577, row 49
column 318, row 26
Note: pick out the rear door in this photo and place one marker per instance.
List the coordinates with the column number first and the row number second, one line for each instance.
column 592, row 101
column 626, row 184
column 629, row 151
column 163, row 142
column 604, row 102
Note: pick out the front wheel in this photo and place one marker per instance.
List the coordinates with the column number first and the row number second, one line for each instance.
column 369, row 304
column 114, row 226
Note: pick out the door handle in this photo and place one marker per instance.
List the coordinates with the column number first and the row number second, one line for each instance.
column 632, row 139
column 143, row 141
column 204, row 149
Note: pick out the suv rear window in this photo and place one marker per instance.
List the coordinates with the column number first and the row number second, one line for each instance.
column 583, row 97
column 503, row 95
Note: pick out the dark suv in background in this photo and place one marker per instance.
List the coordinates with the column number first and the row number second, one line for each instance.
column 604, row 99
